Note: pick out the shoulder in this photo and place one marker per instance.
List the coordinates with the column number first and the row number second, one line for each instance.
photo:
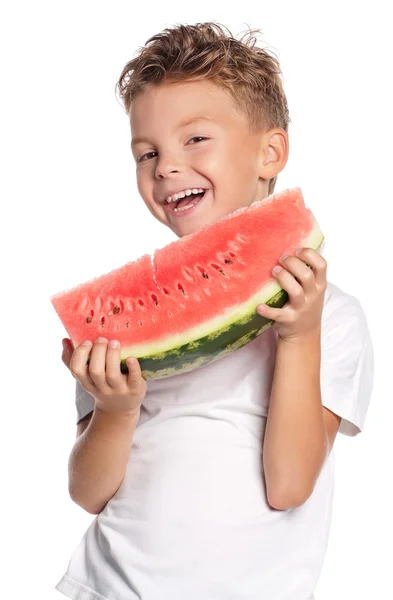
column 336, row 298
column 347, row 359
column 342, row 312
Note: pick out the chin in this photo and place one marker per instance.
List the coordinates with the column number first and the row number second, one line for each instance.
column 194, row 224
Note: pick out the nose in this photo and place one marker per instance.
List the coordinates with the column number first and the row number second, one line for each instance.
column 167, row 166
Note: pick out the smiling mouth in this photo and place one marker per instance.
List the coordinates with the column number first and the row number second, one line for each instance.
column 186, row 203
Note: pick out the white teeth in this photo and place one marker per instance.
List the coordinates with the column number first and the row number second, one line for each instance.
column 185, row 207
column 183, row 193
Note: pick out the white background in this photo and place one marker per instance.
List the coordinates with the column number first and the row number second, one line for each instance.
column 70, row 210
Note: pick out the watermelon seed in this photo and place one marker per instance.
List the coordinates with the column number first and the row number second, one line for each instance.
column 116, row 310
column 232, row 255
column 141, row 302
column 89, row 319
column 166, row 291
column 227, row 261
column 179, row 285
column 217, row 267
column 127, row 324
column 102, row 321
column 140, row 323
column 203, row 272
column 155, row 299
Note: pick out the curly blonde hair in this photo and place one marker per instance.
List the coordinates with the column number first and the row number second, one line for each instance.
column 251, row 75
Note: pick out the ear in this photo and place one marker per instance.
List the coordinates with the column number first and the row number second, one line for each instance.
column 274, row 152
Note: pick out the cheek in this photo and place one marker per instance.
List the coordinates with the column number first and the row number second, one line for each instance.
column 145, row 187
column 142, row 183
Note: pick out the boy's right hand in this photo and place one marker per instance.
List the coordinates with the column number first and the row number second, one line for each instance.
column 114, row 392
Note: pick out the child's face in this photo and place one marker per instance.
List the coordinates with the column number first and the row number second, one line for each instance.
column 171, row 156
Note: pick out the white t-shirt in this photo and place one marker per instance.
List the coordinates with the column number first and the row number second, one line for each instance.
column 190, row 520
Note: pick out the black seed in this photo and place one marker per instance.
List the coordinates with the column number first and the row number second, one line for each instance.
column 205, row 275
column 89, row 319
column 227, row 261
column 116, row 310
column 127, row 324
column 217, row 267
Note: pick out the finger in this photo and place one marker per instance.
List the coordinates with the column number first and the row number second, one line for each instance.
column 114, row 376
column 79, row 367
column 98, row 363
column 280, row 315
column 288, row 283
column 317, row 263
column 68, row 349
column 134, row 372
column 304, row 275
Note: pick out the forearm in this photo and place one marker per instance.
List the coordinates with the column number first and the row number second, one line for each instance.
column 295, row 443
column 99, row 457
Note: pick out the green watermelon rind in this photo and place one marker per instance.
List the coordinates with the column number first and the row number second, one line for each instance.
column 209, row 348
column 216, row 338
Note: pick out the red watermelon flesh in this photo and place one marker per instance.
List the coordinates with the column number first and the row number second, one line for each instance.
column 236, row 255
column 193, row 301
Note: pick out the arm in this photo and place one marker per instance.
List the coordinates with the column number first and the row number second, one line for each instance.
column 299, row 431
column 99, row 457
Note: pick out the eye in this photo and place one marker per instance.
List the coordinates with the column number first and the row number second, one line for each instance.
column 143, row 157
column 146, row 156
column 198, row 137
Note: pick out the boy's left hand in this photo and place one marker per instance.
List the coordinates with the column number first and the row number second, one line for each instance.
column 306, row 288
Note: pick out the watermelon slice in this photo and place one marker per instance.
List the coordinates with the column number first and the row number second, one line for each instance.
column 195, row 300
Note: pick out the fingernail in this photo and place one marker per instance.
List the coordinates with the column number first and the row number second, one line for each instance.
column 283, row 257
column 100, row 340
column 298, row 251
column 114, row 344
column 276, row 269
column 86, row 343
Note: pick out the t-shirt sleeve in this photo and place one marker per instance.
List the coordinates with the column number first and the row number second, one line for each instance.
column 347, row 363
column 84, row 402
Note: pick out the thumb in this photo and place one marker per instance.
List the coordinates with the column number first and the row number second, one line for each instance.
column 68, row 349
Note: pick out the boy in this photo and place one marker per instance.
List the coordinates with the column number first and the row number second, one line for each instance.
column 215, row 484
